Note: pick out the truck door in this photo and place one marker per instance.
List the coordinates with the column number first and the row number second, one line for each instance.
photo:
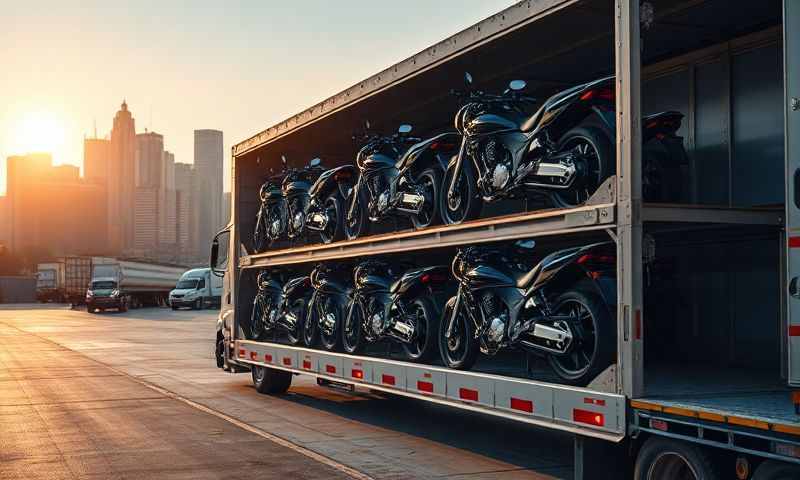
column 791, row 65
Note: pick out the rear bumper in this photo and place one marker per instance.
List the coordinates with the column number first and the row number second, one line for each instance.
column 104, row 302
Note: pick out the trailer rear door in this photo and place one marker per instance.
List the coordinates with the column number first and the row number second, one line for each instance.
column 791, row 57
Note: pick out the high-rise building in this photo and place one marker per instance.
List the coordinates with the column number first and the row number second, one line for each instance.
column 208, row 156
column 186, row 211
column 168, row 215
column 96, row 158
column 226, row 208
column 149, row 159
column 122, row 181
column 146, row 221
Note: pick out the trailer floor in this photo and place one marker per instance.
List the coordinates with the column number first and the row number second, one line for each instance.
column 752, row 394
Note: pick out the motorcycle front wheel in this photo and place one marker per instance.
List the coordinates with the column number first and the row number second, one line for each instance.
column 355, row 225
column 257, row 330
column 430, row 184
column 298, row 309
column 423, row 346
column 274, row 233
column 594, row 337
column 310, row 324
column 460, row 351
column 463, row 204
column 260, row 233
column 592, row 150
column 352, row 335
column 331, row 342
column 333, row 231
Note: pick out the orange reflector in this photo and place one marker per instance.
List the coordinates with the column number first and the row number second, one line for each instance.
column 307, row 364
column 241, row 353
column 522, row 405
column 330, row 369
column 387, row 379
column 425, row 386
column 595, row 401
column 253, row 355
column 357, row 374
column 468, row 394
column 587, row 417
column 287, row 361
column 426, row 375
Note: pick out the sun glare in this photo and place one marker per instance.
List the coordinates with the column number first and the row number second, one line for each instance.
column 40, row 131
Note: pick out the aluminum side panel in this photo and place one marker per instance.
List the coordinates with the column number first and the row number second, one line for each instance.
column 791, row 57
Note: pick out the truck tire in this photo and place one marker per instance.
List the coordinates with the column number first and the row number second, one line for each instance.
column 90, row 308
column 775, row 470
column 123, row 307
column 270, row 380
column 663, row 458
column 198, row 304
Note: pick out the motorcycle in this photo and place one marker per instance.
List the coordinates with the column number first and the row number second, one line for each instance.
column 332, row 284
column 389, row 305
column 267, row 298
column 326, row 203
column 559, row 308
column 295, row 190
column 270, row 219
column 564, row 150
column 396, row 178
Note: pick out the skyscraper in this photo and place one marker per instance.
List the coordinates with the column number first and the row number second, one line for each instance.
column 96, row 158
column 186, row 210
column 208, row 155
column 122, row 181
column 149, row 159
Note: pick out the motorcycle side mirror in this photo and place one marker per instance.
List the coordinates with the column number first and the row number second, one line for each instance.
column 525, row 244
column 467, row 78
column 283, row 160
column 517, row 85
column 315, row 162
column 404, row 129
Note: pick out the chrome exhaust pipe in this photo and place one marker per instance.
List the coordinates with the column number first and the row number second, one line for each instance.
column 410, row 203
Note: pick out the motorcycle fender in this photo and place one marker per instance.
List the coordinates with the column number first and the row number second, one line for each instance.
column 296, row 288
column 555, row 262
column 413, row 285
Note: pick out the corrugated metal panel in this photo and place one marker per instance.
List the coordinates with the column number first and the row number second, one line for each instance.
column 17, row 289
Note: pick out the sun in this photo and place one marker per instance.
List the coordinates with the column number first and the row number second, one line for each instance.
column 39, row 131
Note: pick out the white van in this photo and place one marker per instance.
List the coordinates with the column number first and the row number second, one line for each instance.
column 197, row 289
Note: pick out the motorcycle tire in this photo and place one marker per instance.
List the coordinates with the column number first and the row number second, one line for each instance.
column 331, row 342
column 310, row 326
column 359, row 225
column 256, row 330
column 462, row 353
column 260, row 233
column 469, row 204
column 293, row 231
column 334, row 231
column 600, row 332
column 431, row 179
column 276, row 211
column 427, row 328
column 583, row 188
column 299, row 308
column 353, row 340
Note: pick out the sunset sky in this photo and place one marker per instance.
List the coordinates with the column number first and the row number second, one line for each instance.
column 235, row 66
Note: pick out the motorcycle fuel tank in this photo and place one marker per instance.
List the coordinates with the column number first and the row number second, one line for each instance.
column 372, row 282
column 487, row 276
column 489, row 123
column 375, row 161
column 297, row 186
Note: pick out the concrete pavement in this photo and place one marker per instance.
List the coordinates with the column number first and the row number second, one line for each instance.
column 76, row 399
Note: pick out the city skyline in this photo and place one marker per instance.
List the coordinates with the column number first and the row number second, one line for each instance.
column 194, row 87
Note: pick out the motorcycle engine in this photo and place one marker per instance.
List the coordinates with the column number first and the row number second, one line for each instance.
column 383, row 201
column 497, row 161
column 496, row 331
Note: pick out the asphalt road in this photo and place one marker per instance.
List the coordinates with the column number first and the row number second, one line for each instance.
column 137, row 395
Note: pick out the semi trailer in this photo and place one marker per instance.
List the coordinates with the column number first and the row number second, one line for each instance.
column 50, row 282
column 121, row 284
column 705, row 376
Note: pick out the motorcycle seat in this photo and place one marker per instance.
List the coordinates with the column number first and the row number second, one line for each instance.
column 524, row 279
column 532, row 121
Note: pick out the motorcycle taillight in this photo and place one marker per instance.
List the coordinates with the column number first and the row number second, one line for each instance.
column 600, row 94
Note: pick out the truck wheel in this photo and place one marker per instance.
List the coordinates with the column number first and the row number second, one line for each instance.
column 270, row 380
column 665, row 459
column 219, row 350
column 123, row 307
column 90, row 309
column 775, row 470
column 198, row 304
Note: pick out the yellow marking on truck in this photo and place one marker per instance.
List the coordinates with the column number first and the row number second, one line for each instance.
column 714, row 417
column 645, row 405
column 684, row 412
column 786, row 429
column 748, row 422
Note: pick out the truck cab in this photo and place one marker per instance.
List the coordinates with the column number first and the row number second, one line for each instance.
column 103, row 293
column 196, row 289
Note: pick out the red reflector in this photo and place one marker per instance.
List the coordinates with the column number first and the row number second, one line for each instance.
column 253, row 355
column 594, row 401
column 357, row 374
column 522, row 405
column 330, row 369
column 268, row 358
column 425, row 386
column 287, row 361
column 307, row 364
column 794, row 330
column 638, row 325
column 658, row 424
column 587, row 417
column 241, row 353
column 426, row 375
column 794, row 242
column 387, row 379
column 468, row 394
column 425, row 278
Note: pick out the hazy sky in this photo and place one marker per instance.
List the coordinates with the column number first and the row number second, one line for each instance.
column 237, row 66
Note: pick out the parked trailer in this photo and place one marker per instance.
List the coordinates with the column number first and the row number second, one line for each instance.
column 50, row 282
column 708, row 318
column 122, row 284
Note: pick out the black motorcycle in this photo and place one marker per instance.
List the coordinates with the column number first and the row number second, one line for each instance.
column 396, row 178
column 564, row 150
column 270, row 219
column 269, row 288
column 326, row 203
column 389, row 304
column 332, row 284
column 559, row 308
column 295, row 189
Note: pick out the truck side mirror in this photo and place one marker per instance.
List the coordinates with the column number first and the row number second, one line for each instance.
column 218, row 264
